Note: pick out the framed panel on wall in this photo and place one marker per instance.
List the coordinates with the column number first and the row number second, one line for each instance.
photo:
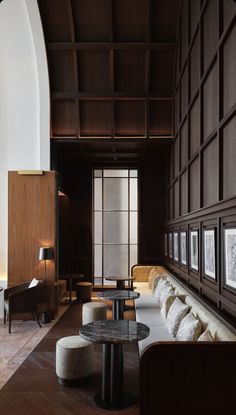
column 194, row 250
column 166, row 244
column 230, row 257
column 183, row 248
column 209, row 253
column 170, row 245
column 176, row 246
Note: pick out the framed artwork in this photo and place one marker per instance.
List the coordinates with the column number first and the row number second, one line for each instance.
column 183, row 248
column 176, row 246
column 170, row 246
column 209, row 253
column 166, row 244
column 194, row 250
column 230, row 256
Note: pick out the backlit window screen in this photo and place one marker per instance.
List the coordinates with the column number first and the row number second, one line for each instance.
column 115, row 222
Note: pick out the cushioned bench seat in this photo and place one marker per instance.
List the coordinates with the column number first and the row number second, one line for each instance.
column 148, row 311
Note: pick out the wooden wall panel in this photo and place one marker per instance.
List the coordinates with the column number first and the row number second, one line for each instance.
column 184, row 193
column 56, row 25
column 194, row 15
column 210, row 168
column 195, row 66
column 160, row 119
column 176, row 156
column 170, row 204
column 161, row 72
column 65, row 79
column 129, row 118
column 229, row 159
column 229, row 77
column 88, row 28
column 184, row 145
column 126, row 76
column 32, row 223
column 93, row 71
column 207, row 180
column 229, row 8
column 96, row 118
column 184, row 93
column 176, row 199
column 195, row 127
column 211, row 31
column 184, row 31
column 194, row 173
column 63, row 115
column 176, row 110
column 210, row 111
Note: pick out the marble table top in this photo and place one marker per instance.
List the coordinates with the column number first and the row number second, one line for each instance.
column 114, row 331
column 114, row 295
column 119, row 278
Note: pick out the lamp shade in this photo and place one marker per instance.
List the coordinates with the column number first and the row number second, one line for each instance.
column 45, row 252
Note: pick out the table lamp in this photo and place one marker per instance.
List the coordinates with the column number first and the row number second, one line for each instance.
column 45, row 253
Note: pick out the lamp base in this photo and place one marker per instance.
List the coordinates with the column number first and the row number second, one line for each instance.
column 45, row 317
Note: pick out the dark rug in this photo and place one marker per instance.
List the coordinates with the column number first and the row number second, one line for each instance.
column 34, row 389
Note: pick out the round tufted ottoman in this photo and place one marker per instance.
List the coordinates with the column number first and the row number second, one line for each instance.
column 93, row 311
column 74, row 359
column 84, row 291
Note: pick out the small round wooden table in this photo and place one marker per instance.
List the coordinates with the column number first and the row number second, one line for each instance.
column 118, row 297
column 70, row 279
column 120, row 281
column 113, row 334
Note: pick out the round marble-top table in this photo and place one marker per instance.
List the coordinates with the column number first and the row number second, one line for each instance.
column 120, row 281
column 118, row 297
column 113, row 334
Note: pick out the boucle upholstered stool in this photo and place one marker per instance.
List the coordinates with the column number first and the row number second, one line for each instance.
column 84, row 291
column 93, row 311
column 74, row 359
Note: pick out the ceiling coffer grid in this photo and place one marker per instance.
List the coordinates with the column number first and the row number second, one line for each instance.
column 111, row 67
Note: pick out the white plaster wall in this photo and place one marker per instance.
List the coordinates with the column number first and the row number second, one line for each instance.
column 24, row 100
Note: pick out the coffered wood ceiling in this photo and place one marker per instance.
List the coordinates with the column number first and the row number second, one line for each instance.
column 111, row 69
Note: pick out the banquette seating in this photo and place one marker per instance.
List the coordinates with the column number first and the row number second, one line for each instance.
column 187, row 364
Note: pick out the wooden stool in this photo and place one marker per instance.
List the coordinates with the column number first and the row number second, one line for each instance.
column 84, row 291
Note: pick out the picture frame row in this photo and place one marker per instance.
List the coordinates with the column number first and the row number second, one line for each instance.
column 182, row 247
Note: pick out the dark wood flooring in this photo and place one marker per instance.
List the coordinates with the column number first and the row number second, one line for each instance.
column 34, row 390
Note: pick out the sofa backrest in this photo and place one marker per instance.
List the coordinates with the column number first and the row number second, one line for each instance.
column 141, row 272
column 218, row 329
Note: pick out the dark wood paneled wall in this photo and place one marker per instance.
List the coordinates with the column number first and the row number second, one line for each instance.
column 152, row 186
column 75, row 213
column 201, row 191
column 32, row 223
column 75, row 219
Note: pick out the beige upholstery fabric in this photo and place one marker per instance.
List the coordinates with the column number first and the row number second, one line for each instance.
column 141, row 272
column 155, row 281
column 189, row 329
column 163, row 284
column 205, row 337
column 177, row 312
column 217, row 328
column 93, row 311
column 167, row 303
column 74, row 358
column 152, row 274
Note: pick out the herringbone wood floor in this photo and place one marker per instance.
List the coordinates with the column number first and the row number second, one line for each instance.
column 34, row 390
